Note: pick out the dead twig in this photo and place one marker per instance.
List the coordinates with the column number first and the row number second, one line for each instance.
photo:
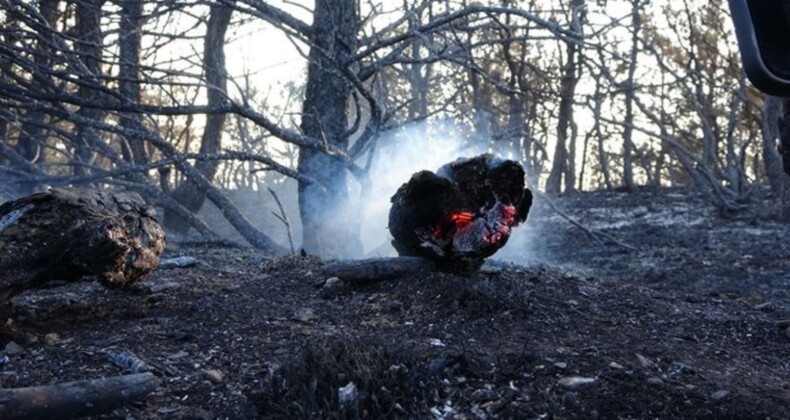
column 283, row 217
column 594, row 235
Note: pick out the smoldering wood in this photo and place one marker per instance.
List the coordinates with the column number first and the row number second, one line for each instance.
column 75, row 399
column 68, row 233
column 460, row 215
column 375, row 269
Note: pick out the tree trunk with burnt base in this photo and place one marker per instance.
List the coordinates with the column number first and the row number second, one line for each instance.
column 327, row 231
column 189, row 194
column 65, row 234
column 461, row 214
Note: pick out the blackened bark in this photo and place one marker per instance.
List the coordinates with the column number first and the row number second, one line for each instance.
column 560, row 166
column 65, row 234
column 89, row 49
column 32, row 134
column 771, row 133
column 130, row 41
column 216, row 74
column 326, row 229
column 628, row 141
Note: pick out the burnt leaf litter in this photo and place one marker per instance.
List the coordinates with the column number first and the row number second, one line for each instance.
column 691, row 325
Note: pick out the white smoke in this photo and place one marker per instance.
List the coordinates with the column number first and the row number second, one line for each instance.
column 399, row 155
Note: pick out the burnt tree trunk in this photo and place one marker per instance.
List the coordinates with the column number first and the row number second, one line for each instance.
column 216, row 74
column 771, row 133
column 561, row 167
column 65, row 234
column 130, row 43
column 32, row 134
column 89, row 48
column 326, row 230
column 628, row 130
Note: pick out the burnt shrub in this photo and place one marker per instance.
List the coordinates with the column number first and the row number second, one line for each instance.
column 390, row 380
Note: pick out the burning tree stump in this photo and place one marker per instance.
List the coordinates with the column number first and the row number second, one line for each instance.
column 461, row 214
column 65, row 234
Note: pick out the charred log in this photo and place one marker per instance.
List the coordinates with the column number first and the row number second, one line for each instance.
column 375, row 269
column 66, row 234
column 75, row 399
column 461, row 214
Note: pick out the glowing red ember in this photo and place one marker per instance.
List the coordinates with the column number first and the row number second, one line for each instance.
column 462, row 218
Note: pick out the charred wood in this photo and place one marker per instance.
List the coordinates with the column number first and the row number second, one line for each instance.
column 75, row 399
column 65, row 234
column 375, row 269
column 461, row 214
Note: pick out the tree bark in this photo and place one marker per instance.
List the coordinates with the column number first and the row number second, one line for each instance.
column 771, row 114
column 32, row 135
column 130, row 43
column 327, row 229
column 89, row 48
column 560, row 166
column 628, row 141
column 75, row 399
column 216, row 74
column 376, row 269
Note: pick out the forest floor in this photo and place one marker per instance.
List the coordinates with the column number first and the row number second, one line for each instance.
column 686, row 325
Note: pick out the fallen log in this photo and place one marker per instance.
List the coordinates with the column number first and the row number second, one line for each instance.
column 374, row 269
column 75, row 399
column 65, row 234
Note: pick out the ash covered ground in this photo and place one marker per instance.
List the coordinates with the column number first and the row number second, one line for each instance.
column 687, row 325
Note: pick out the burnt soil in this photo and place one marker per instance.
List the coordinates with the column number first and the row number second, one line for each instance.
column 686, row 325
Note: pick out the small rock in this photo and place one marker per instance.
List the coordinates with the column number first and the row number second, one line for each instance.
column 304, row 315
column 574, row 382
column 12, row 349
column 214, row 375
column 178, row 355
column 560, row 365
column 490, row 269
column 615, row 365
column 395, row 306
column 332, row 282
column 644, row 361
column 654, row 381
column 167, row 410
column 158, row 288
column 435, row 342
column 51, row 339
column 437, row 365
column 679, row 369
column 177, row 262
column 347, row 395
column 128, row 361
column 720, row 394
